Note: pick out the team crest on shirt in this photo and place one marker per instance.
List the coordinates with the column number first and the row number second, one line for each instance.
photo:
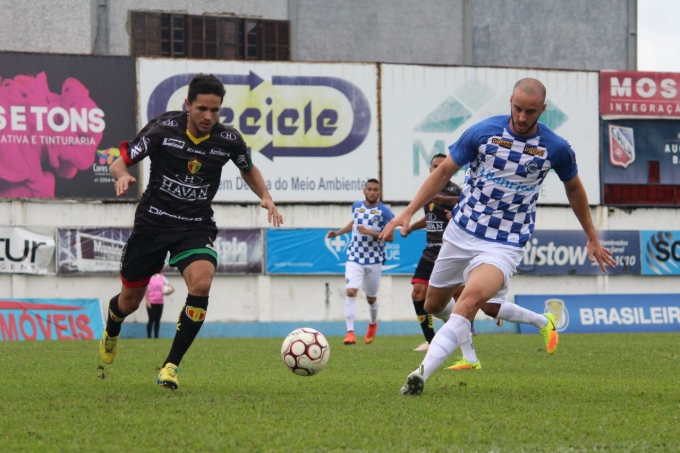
column 195, row 314
column 194, row 166
column 430, row 207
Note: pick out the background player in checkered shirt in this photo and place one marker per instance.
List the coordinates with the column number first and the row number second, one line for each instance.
column 365, row 257
column 509, row 157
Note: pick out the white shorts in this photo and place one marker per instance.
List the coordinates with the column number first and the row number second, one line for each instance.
column 461, row 252
column 364, row 276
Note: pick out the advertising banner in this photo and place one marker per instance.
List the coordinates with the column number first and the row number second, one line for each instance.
column 98, row 250
column 425, row 109
column 62, row 118
column 606, row 313
column 631, row 148
column 660, row 252
column 564, row 252
column 50, row 319
column 24, row 252
column 309, row 251
column 637, row 94
column 311, row 127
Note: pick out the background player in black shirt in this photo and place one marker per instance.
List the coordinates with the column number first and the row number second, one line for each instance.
column 187, row 151
column 434, row 221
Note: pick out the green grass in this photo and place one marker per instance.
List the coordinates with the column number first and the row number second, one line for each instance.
column 597, row 393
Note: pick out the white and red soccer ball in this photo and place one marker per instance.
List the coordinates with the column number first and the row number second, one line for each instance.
column 305, row 351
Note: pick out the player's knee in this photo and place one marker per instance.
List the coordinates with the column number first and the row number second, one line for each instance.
column 352, row 292
column 200, row 286
column 491, row 309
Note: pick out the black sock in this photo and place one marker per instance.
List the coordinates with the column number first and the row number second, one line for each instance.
column 425, row 320
column 115, row 319
column 190, row 321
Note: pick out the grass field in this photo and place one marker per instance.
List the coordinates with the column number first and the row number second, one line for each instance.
column 597, row 393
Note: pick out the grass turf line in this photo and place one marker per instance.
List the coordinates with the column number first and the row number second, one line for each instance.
column 611, row 392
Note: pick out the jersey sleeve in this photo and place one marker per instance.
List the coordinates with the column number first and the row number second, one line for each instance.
column 143, row 145
column 387, row 215
column 564, row 162
column 465, row 149
column 243, row 159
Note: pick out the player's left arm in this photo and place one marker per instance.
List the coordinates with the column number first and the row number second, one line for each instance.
column 253, row 177
column 578, row 200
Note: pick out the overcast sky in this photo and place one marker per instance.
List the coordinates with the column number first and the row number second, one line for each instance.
column 659, row 35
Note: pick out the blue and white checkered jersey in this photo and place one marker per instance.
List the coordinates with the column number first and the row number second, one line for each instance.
column 498, row 202
column 365, row 249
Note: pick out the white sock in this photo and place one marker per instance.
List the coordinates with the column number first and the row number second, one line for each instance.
column 446, row 313
column 468, row 350
column 445, row 342
column 350, row 312
column 373, row 312
column 514, row 313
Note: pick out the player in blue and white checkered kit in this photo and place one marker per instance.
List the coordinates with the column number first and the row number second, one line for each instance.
column 365, row 256
column 508, row 157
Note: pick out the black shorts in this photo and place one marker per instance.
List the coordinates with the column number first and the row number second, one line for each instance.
column 423, row 271
column 145, row 252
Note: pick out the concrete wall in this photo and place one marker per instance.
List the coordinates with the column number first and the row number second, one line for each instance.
column 265, row 298
column 578, row 34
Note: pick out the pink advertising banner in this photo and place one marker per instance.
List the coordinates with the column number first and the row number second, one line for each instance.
column 62, row 118
column 634, row 94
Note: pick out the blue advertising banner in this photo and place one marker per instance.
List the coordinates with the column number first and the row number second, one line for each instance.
column 660, row 252
column 309, row 251
column 604, row 313
column 564, row 252
column 50, row 319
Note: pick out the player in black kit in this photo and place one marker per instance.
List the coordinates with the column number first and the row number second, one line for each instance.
column 187, row 151
column 434, row 222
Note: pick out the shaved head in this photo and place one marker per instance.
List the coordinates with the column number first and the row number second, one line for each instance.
column 532, row 87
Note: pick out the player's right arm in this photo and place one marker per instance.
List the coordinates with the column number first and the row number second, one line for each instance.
column 432, row 185
column 346, row 229
column 132, row 152
column 419, row 225
column 119, row 171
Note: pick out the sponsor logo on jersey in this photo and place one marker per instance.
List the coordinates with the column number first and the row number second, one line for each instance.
column 139, row 147
column 533, row 151
column 211, row 247
column 184, row 190
column 430, row 207
column 219, row 152
column 502, row 143
column 174, row 143
column 189, row 179
column 170, row 123
column 155, row 211
column 228, row 135
column 242, row 161
column 195, row 314
column 375, row 211
column 361, row 210
column 194, row 166
column 195, row 151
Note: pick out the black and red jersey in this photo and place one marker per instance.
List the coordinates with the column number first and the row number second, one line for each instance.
column 436, row 221
column 184, row 173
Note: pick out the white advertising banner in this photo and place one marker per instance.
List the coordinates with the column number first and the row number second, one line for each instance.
column 24, row 252
column 425, row 109
column 312, row 128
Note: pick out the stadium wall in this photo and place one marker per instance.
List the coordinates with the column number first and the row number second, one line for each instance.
column 270, row 304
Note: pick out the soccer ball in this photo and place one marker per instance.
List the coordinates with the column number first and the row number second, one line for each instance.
column 305, row 351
